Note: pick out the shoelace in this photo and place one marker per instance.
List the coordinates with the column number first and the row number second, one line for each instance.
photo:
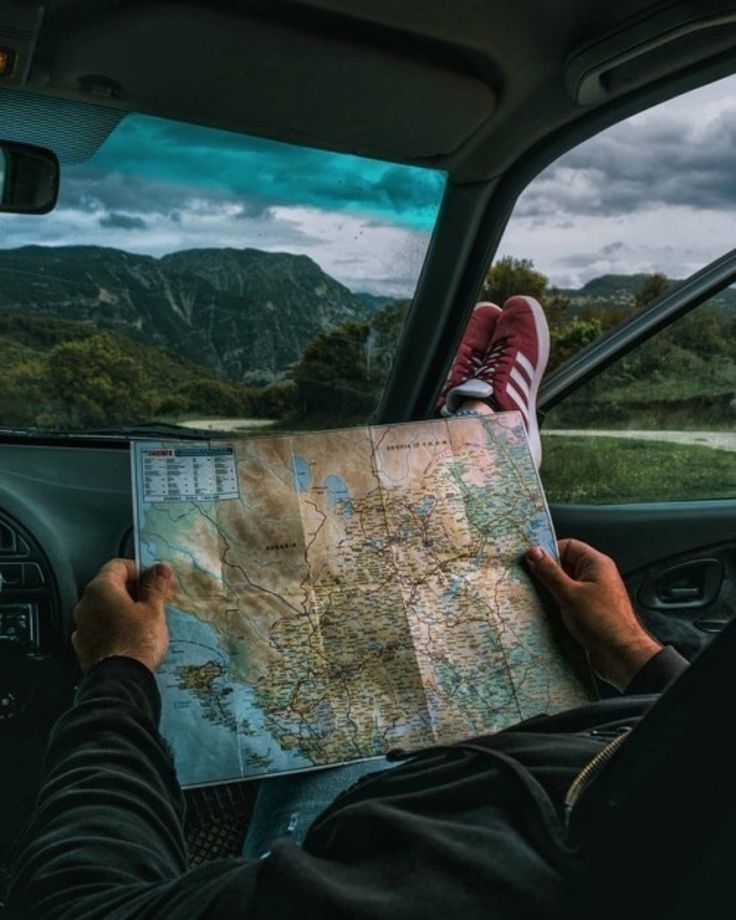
column 467, row 364
column 494, row 357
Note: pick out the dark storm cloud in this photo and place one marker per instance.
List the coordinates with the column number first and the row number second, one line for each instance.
column 150, row 166
column 85, row 188
column 637, row 166
column 585, row 258
column 256, row 172
column 118, row 221
column 254, row 210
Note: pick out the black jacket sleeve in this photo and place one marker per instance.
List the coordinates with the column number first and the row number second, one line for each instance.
column 106, row 839
column 659, row 672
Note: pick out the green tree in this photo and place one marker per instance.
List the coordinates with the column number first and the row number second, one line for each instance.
column 332, row 377
column 654, row 286
column 93, row 382
column 23, row 394
column 705, row 331
column 509, row 276
column 557, row 308
column 217, row 397
column 571, row 338
column 277, row 401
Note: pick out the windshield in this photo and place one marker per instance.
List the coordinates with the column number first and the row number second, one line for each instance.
column 200, row 277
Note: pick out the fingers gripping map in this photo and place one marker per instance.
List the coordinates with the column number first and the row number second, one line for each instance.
column 343, row 593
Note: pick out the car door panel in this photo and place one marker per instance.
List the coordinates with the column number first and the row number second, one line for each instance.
column 678, row 561
column 637, row 535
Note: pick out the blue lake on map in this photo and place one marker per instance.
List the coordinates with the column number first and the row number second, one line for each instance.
column 455, row 585
column 338, row 492
column 426, row 506
column 301, row 474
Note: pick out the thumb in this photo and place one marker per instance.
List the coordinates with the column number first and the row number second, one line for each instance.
column 550, row 573
column 156, row 585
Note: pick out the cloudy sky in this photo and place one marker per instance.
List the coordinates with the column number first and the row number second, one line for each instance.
column 156, row 186
column 655, row 193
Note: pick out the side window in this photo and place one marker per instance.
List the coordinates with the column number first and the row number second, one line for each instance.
column 658, row 425
column 595, row 238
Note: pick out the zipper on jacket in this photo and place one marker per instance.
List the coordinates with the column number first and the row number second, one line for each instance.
column 591, row 770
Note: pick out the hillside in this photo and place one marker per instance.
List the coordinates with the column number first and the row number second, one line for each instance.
column 620, row 290
column 244, row 314
column 61, row 373
column 92, row 336
column 65, row 374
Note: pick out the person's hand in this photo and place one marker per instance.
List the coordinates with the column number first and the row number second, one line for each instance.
column 117, row 615
column 596, row 609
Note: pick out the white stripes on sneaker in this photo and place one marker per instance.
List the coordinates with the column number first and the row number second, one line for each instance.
column 521, row 382
column 523, row 361
column 519, row 400
column 518, row 387
column 521, row 392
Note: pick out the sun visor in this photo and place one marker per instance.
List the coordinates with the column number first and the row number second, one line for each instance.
column 325, row 83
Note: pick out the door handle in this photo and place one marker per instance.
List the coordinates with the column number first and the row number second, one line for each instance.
column 694, row 583
column 680, row 593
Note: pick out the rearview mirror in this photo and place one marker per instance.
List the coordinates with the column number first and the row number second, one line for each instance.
column 29, row 179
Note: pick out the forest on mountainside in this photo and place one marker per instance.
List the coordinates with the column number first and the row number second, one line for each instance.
column 75, row 374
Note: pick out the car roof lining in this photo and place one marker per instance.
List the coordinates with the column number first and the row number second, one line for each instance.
column 463, row 85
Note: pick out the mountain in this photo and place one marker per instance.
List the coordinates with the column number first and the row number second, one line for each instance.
column 620, row 290
column 242, row 314
column 616, row 289
column 245, row 314
column 377, row 302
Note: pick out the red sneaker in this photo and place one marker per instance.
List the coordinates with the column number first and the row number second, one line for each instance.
column 509, row 377
column 472, row 349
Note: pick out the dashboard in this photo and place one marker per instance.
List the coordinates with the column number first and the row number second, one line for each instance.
column 64, row 510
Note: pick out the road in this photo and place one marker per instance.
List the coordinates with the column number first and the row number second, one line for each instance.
column 719, row 440
column 228, row 424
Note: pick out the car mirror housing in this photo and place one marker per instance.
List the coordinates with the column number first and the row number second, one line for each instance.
column 29, row 179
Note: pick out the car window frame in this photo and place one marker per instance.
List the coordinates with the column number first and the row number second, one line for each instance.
column 458, row 258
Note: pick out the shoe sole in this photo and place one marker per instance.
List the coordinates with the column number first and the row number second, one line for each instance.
column 543, row 343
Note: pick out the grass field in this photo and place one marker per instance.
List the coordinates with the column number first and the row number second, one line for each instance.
column 603, row 470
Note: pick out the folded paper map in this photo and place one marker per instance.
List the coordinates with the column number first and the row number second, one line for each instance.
column 344, row 593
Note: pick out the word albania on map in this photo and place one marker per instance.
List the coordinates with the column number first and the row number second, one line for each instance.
column 343, row 593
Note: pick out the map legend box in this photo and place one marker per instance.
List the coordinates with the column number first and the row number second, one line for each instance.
column 176, row 474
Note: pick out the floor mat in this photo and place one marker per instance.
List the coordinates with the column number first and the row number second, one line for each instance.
column 217, row 820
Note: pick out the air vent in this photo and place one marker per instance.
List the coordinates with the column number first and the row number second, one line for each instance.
column 12, row 544
column 28, row 596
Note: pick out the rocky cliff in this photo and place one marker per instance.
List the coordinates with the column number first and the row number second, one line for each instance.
column 245, row 314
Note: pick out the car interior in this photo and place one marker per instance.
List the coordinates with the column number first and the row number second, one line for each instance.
column 482, row 95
